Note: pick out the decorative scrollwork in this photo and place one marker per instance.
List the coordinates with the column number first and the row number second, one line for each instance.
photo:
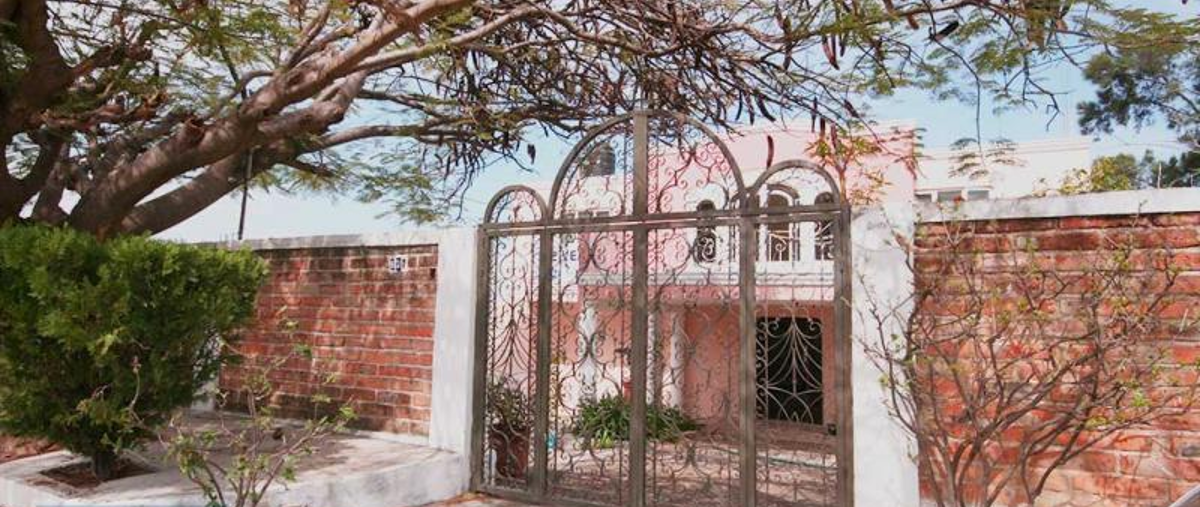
column 667, row 284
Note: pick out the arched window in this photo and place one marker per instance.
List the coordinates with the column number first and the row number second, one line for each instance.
column 705, row 248
column 823, row 244
column 781, row 237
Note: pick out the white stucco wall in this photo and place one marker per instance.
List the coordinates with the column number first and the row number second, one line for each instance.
column 885, row 472
column 1037, row 166
column 454, row 341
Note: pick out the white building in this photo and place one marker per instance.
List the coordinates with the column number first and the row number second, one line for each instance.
column 1024, row 169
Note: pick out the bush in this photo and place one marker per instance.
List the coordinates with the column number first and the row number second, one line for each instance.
column 263, row 448
column 605, row 421
column 509, row 411
column 101, row 342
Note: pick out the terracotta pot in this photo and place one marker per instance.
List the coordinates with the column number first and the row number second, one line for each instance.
column 512, row 453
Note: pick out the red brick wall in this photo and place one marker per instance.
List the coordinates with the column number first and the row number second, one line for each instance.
column 1149, row 466
column 371, row 328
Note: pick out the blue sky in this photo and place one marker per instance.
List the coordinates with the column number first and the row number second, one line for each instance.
column 277, row 215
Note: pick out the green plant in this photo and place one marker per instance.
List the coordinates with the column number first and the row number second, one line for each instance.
column 101, row 342
column 605, row 421
column 509, row 410
column 511, row 419
column 235, row 460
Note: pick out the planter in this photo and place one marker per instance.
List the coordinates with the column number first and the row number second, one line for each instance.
column 512, row 453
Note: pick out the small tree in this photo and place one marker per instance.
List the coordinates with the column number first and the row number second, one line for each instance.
column 236, row 460
column 1009, row 363
column 102, row 342
column 1107, row 174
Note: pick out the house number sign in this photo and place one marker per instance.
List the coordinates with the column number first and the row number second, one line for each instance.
column 398, row 264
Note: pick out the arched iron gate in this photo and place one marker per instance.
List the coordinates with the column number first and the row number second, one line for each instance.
column 661, row 333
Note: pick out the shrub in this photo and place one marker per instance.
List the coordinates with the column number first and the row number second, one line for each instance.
column 605, row 421
column 235, row 460
column 509, row 410
column 101, row 342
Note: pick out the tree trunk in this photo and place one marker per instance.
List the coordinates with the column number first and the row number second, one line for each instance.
column 104, row 465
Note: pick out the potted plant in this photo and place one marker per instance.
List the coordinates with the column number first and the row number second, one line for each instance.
column 510, row 417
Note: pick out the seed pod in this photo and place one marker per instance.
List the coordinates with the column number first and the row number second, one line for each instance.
column 770, row 151
column 829, row 53
column 762, row 108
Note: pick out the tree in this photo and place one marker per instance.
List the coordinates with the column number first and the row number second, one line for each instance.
column 236, row 460
column 1005, row 366
column 1124, row 172
column 1181, row 170
column 1107, row 174
column 100, row 343
column 1140, row 84
column 126, row 117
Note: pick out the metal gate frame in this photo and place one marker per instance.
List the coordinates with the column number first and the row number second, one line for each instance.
column 747, row 216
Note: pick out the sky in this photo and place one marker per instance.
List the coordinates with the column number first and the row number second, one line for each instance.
column 273, row 215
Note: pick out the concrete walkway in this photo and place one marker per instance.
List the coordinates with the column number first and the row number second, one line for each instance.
column 347, row 471
column 477, row 500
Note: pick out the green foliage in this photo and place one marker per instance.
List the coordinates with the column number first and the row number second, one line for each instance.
column 1124, row 172
column 236, row 459
column 1143, row 83
column 1107, row 174
column 975, row 159
column 1181, row 170
column 101, row 342
column 605, row 421
column 508, row 409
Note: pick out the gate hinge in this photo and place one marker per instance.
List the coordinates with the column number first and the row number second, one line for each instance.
column 831, row 429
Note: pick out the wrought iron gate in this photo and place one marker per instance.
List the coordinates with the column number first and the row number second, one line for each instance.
column 660, row 333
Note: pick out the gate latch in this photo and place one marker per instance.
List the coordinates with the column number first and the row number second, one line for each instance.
column 831, row 429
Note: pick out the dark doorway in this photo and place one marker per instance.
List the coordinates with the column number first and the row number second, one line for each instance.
column 788, row 369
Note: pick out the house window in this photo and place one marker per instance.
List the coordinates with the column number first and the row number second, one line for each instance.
column 978, row 194
column 954, row 195
column 823, row 244
column 600, row 161
column 781, row 237
column 949, row 195
column 789, row 369
column 705, row 247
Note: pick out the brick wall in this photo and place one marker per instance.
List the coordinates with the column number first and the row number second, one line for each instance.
column 370, row 327
column 1147, row 466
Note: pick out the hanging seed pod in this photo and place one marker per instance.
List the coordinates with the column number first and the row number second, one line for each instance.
column 850, row 108
column 813, row 115
column 829, row 53
column 762, row 108
column 532, row 151
column 945, row 31
column 770, row 151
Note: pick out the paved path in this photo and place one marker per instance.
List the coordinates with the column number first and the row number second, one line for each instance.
column 476, row 500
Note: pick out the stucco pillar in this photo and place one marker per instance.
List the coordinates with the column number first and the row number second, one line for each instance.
column 454, row 340
column 673, row 385
column 885, row 472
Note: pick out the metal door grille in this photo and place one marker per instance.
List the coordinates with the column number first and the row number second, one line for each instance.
column 640, row 342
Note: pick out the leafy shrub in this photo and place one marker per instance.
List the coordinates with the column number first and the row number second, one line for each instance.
column 101, row 342
column 509, row 410
column 605, row 421
column 263, row 448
